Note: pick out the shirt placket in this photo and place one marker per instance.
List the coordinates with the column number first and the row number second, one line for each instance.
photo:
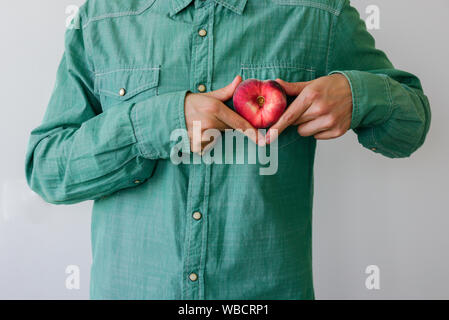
column 197, row 214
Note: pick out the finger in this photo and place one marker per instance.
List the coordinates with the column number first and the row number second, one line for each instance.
column 217, row 124
column 201, row 146
column 198, row 136
column 327, row 135
column 235, row 121
column 314, row 127
column 315, row 111
column 207, row 136
column 290, row 116
column 306, row 117
column 293, row 88
column 207, row 147
column 227, row 92
column 209, row 139
column 196, row 145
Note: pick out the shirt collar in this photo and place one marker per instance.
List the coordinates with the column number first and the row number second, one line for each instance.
column 235, row 5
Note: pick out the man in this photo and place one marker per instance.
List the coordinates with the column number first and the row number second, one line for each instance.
column 136, row 71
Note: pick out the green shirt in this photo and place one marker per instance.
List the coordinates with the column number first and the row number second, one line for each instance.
column 162, row 230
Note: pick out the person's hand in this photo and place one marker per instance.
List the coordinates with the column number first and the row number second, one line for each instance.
column 323, row 108
column 209, row 110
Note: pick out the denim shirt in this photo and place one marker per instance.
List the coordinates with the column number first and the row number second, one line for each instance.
column 162, row 230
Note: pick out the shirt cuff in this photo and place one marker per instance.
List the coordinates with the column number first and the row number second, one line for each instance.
column 155, row 120
column 371, row 98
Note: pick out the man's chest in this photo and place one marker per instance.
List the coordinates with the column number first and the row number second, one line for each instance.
column 203, row 48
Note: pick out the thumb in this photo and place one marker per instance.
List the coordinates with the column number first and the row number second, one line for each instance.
column 293, row 88
column 227, row 92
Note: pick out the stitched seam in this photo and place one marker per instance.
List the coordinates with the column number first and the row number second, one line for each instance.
column 202, row 240
column 426, row 121
column 377, row 144
column 138, row 133
column 181, row 119
column 195, row 47
column 355, row 101
column 321, row 6
column 210, row 48
column 144, row 153
column 230, row 6
column 204, row 227
column 178, row 120
column 289, row 143
column 136, row 129
column 390, row 99
column 131, row 93
column 185, row 281
column 117, row 14
column 89, row 48
column 263, row 66
column 189, row 230
column 103, row 73
column 330, row 44
column 151, row 84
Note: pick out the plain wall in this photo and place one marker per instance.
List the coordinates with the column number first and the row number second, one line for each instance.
column 369, row 210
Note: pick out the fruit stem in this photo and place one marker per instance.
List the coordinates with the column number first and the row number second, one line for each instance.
column 260, row 101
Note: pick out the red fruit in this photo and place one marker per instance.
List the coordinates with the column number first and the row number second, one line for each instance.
column 260, row 102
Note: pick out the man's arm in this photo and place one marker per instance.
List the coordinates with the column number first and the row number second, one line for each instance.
column 391, row 114
column 384, row 106
column 79, row 153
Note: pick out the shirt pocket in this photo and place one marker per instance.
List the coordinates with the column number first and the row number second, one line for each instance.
column 128, row 85
column 285, row 71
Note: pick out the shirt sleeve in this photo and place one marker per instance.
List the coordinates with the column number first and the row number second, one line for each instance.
column 391, row 114
column 80, row 153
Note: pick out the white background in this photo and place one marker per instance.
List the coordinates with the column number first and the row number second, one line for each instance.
column 369, row 210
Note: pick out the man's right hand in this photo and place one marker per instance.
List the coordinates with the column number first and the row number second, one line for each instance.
column 209, row 109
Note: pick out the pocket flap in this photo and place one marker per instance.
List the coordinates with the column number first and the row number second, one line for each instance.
column 271, row 71
column 123, row 84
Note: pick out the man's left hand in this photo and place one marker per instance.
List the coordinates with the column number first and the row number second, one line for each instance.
column 323, row 108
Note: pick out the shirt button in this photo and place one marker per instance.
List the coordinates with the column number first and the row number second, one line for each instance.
column 374, row 149
column 197, row 216
column 122, row 92
column 201, row 88
column 193, row 277
column 202, row 33
column 137, row 181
